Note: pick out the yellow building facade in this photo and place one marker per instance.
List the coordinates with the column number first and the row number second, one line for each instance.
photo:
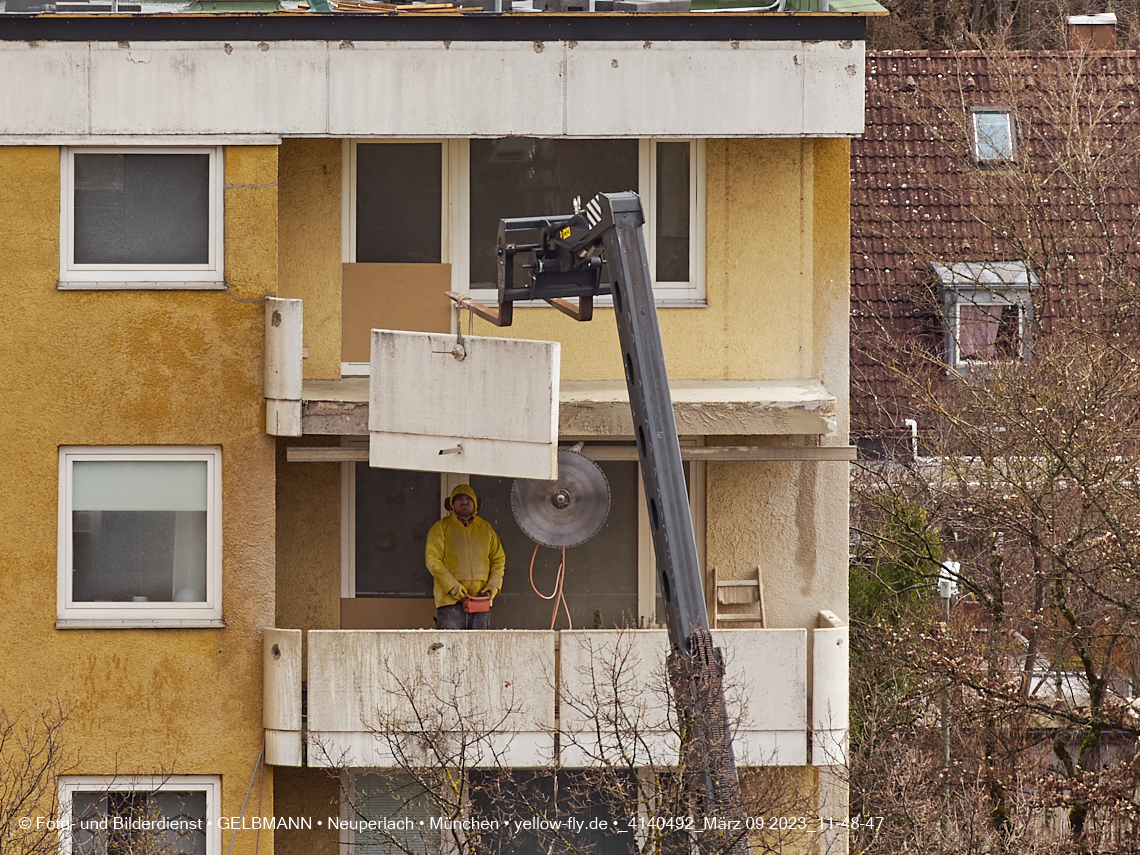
column 206, row 581
column 139, row 369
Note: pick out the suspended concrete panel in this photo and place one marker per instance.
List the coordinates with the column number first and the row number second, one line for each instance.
column 476, row 405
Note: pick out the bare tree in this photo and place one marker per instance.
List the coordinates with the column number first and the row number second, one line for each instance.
column 33, row 754
column 1026, row 475
column 958, row 24
column 626, row 788
column 122, row 816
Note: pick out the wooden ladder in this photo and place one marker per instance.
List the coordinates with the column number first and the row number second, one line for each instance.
column 740, row 592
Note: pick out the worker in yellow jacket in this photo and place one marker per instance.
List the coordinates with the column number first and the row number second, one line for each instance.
column 466, row 559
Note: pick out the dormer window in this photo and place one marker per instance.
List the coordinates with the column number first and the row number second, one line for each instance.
column 994, row 140
column 988, row 310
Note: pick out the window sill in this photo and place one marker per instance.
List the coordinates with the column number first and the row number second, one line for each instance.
column 140, row 623
column 662, row 302
column 70, row 285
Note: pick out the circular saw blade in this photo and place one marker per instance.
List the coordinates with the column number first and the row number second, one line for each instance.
column 567, row 511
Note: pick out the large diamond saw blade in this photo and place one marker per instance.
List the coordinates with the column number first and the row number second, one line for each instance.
column 567, row 511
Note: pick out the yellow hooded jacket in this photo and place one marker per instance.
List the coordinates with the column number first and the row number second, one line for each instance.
column 468, row 555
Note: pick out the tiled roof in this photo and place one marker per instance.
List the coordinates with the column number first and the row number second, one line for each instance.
column 1068, row 206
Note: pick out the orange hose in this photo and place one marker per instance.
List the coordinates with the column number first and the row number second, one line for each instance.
column 557, row 595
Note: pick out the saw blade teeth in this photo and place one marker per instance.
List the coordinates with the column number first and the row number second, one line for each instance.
column 547, row 518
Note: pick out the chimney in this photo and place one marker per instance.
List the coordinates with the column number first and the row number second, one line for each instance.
column 1092, row 32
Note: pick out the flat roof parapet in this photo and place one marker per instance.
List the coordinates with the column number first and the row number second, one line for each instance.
column 461, row 25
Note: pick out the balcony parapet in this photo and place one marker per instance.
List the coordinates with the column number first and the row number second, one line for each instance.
column 392, row 697
column 830, row 691
column 523, row 698
column 615, row 701
column 281, row 665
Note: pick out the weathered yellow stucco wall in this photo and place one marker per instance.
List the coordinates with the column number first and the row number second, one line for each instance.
column 310, row 251
column 308, row 540
column 138, row 368
column 789, row 519
column 831, row 352
column 310, row 793
column 831, row 235
column 308, row 494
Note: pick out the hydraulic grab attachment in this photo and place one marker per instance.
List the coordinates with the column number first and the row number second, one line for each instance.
column 602, row 251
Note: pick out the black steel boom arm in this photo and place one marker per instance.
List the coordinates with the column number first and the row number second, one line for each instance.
column 567, row 261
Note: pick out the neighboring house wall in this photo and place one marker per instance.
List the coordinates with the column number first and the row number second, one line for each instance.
column 138, row 368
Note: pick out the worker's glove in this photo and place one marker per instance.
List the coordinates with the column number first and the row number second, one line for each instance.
column 492, row 593
column 459, row 592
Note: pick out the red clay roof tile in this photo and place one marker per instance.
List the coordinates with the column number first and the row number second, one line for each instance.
column 918, row 194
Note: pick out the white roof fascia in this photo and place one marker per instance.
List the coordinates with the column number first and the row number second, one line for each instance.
column 74, row 92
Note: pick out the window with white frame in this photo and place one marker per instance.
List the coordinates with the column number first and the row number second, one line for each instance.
column 520, row 177
column 139, row 536
column 175, row 815
column 994, row 139
column 525, row 177
column 390, row 814
column 141, row 218
column 396, row 192
column 398, row 208
column 988, row 310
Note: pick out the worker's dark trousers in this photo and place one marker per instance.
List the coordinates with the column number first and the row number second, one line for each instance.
column 453, row 617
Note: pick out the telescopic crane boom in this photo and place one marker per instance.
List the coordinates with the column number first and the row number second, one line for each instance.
column 567, row 261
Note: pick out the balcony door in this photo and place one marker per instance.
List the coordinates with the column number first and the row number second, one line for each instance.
column 395, row 269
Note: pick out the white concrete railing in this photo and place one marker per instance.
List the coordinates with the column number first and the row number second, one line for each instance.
column 394, row 697
column 391, row 697
column 615, row 703
column 284, row 355
column 830, row 691
column 281, row 713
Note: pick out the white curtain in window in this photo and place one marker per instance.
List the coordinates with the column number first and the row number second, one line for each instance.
column 139, row 530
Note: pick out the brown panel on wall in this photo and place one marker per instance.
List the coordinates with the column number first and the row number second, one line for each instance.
column 391, row 297
column 387, row 613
